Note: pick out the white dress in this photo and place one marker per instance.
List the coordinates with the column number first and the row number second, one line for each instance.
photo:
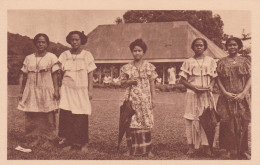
column 38, row 92
column 74, row 89
column 199, row 73
column 172, row 76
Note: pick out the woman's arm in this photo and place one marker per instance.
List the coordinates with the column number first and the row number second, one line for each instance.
column 152, row 89
column 211, row 85
column 127, row 83
column 223, row 90
column 90, row 85
column 22, row 82
column 241, row 95
column 125, row 79
column 56, row 85
column 188, row 85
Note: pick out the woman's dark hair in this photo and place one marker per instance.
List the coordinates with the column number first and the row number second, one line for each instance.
column 237, row 40
column 35, row 39
column 140, row 43
column 82, row 36
column 204, row 43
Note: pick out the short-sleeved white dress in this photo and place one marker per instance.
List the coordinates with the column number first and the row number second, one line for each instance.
column 74, row 89
column 39, row 90
column 198, row 72
column 74, row 99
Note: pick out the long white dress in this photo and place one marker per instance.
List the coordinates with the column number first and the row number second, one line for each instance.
column 199, row 73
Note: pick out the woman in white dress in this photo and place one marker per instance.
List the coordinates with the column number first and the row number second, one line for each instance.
column 198, row 74
column 76, row 92
column 39, row 92
column 171, row 76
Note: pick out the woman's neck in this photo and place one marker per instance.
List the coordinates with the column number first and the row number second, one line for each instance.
column 233, row 55
column 75, row 51
column 40, row 53
column 138, row 63
column 199, row 56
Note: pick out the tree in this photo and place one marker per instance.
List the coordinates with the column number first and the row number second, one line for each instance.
column 246, row 39
column 119, row 20
column 21, row 46
column 208, row 24
column 245, row 36
column 29, row 48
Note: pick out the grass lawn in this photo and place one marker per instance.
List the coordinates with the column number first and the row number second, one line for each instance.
column 168, row 136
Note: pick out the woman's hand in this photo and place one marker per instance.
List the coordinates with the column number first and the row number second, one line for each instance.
column 239, row 97
column 132, row 82
column 127, row 83
column 210, row 88
column 229, row 95
column 90, row 95
column 56, row 95
column 20, row 95
column 153, row 104
column 200, row 90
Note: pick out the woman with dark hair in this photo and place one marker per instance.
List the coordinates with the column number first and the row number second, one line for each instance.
column 139, row 76
column 198, row 75
column 76, row 92
column 39, row 91
column 234, row 80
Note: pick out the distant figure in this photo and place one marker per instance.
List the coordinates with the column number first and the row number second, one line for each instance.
column 95, row 79
column 158, row 80
column 107, row 79
column 116, row 80
column 39, row 92
column 76, row 92
column 171, row 76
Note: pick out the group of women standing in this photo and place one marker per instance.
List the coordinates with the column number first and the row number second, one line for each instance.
column 233, row 76
column 40, row 93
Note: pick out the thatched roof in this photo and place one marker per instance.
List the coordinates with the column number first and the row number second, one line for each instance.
column 166, row 42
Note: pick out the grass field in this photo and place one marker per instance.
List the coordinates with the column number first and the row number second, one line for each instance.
column 168, row 136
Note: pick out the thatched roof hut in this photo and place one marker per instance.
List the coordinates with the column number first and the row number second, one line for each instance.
column 169, row 44
column 166, row 42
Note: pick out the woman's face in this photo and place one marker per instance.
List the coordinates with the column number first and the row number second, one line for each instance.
column 41, row 44
column 198, row 47
column 138, row 53
column 75, row 41
column 232, row 47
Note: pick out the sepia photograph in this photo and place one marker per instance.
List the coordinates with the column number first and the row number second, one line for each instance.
column 129, row 84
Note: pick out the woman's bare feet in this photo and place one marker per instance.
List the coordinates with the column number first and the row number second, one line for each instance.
column 247, row 155
column 127, row 153
column 191, row 150
column 206, row 151
column 67, row 148
column 227, row 155
column 85, row 148
column 150, row 155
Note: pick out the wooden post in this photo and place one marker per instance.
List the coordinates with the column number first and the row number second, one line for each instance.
column 100, row 74
column 111, row 71
column 119, row 67
column 163, row 68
